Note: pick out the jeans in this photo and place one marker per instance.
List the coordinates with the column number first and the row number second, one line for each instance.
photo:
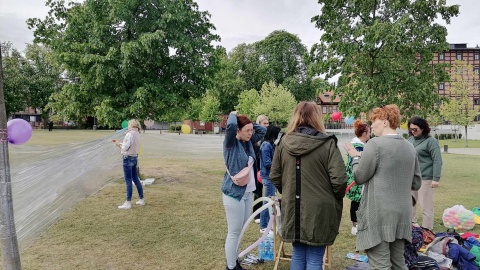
column 306, row 257
column 130, row 174
column 270, row 190
column 237, row 214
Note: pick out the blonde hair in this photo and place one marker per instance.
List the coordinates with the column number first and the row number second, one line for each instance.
column 306, row 113
column 134, row 124
column 261, row 117
column 387, row 112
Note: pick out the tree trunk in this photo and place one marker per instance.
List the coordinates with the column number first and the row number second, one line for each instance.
column 8, row 234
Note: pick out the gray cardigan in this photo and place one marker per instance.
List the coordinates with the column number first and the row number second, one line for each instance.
column 389, row 170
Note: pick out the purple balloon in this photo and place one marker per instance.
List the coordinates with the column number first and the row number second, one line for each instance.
column 19, row 131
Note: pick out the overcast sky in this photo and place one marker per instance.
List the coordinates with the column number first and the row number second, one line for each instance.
column 243, row 21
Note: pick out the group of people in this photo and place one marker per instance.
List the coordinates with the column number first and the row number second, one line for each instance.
column 383, row 174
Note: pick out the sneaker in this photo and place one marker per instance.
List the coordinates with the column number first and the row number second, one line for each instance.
column 354, row 230
column 140, row 202
column 263, row 230
column 257, row 221
column 125, row 205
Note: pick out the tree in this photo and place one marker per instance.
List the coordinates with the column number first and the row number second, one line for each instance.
column 460, row 110
column 130, row 58
column 43, row 76
column 276, row 102
column 14, row 79
column 248, row 102
column 210, row 109
column 227, row 84
column 280, row 57
column 385, row 49
column 194, row 110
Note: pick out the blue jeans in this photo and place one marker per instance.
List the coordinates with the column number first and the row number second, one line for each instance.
column 130, row 174
column 269, row 190
column 237, row 214
column 306, row 257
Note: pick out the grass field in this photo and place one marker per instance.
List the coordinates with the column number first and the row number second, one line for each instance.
column 183, row 224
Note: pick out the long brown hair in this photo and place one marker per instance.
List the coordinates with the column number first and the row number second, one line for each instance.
column 308, row 114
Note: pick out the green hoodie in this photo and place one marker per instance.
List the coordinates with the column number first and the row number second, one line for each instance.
column 429, row 157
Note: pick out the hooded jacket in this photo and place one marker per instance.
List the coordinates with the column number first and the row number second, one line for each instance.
column 313, row 191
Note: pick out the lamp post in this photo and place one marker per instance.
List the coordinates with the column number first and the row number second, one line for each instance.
column 8, row 234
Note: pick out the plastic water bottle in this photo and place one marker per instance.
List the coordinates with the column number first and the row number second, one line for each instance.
column 261, row 250
column 269, row 247
column 357, row 257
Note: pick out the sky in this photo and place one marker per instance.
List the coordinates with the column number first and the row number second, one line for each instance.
column 243, row 21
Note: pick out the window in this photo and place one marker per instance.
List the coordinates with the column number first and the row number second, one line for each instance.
column 459, row 56
column 476, row 56
column 476, row 70
column 476, row 101
column 441, row 86
column 324, row 109
column 441, row 56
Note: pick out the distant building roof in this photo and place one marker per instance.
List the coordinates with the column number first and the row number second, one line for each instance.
column 326, row 97
column 461, row 46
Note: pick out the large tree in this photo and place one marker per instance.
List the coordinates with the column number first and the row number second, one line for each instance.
column 15, row 88
column 459, row 109
column 132, row 58
column 385, row 49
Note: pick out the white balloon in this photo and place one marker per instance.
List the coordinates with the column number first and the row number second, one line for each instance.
column 148, row 122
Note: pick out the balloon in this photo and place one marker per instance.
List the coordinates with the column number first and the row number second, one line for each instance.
column 148, row 122
column 124, row 124
column 336, row 116
column 349, row 120
column 404, row 125
column 19, row 131
column 186, row 129
column 259, row 178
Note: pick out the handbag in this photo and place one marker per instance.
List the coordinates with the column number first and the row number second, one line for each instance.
column 242, row 177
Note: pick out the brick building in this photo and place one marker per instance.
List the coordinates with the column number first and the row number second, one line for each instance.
column 469, row 55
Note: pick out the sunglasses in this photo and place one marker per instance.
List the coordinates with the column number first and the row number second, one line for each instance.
column 414, row 129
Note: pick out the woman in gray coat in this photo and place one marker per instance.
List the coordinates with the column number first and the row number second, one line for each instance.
column 389, row 170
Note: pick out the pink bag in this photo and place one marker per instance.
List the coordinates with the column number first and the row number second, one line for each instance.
column 242, row 177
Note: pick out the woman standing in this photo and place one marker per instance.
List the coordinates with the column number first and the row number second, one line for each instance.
column 430, row 160
column 240, row 135
column 309, row 172
column 267, row 149
column 263, row 121
column 130, row 147
column 362, row 133
column 389, row 170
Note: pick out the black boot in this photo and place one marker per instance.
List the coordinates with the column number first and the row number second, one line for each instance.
column 237, row 267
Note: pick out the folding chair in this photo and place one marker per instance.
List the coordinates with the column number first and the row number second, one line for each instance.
column 280, row 253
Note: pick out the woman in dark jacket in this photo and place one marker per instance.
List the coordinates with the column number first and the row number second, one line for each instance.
column 309, row 172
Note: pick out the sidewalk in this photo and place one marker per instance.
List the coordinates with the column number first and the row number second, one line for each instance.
column 463, row 151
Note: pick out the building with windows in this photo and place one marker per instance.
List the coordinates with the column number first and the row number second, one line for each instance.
column 472, row 57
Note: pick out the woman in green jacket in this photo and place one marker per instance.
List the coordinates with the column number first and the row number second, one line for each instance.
column 430, row 160
column 309, row 172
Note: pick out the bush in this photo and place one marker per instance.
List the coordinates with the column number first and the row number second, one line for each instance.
column 175, row 127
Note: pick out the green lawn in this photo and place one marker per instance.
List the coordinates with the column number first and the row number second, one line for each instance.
column 460, row 143
column 183, row 224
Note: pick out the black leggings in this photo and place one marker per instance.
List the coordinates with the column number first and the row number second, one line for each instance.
column 353, row 209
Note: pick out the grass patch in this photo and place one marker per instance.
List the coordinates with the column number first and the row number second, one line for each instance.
column 183, row 224
column 459, row 143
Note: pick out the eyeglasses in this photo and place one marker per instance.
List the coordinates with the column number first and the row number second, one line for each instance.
column 414, row 129
column 248, row 130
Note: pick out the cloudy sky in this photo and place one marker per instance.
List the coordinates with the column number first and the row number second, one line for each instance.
column 239, row 21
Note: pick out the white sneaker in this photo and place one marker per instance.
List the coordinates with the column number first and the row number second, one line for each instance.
column 140, row 202
column 257, row 221
column 354, row 230
column 125, row 205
